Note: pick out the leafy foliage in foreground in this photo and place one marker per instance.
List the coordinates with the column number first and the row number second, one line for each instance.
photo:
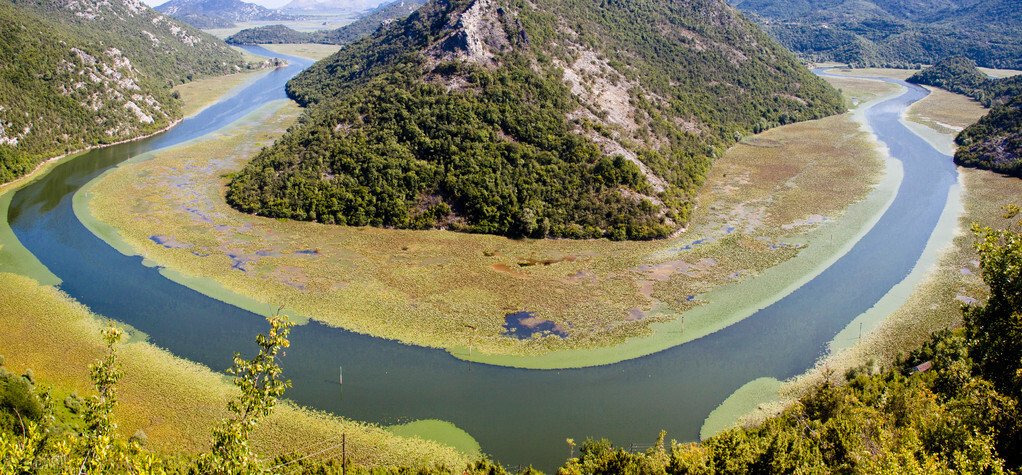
column 497, row 117
column 77, row 74
column 961, row 416
column 272, row 34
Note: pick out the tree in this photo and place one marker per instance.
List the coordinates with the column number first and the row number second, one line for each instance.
column 260, row 388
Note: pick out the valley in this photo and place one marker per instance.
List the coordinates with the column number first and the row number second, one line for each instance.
column 811, row 255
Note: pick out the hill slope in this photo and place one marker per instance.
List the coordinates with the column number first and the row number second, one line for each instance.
column 215, row 13
column 546, row 118
column 995, row 141
column 79, row 73
column 340, row 36
column 895, row 32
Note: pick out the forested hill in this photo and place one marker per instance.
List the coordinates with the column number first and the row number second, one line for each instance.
column 219, row 13
column 568, row 118
column 340, row 36
column 995, row 141
column 77, row 73
column 895, row 32
column 959, row 75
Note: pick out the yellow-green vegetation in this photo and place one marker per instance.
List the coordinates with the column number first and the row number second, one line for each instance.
column 1000, row 73
column 945, row 112
column 204, row 92
column 876, row 72
column 950, row 406
column 858, row 92
column 432, row 429
column 443, row 289
column 175, row 402
column 746, row 399
column 306, row 50
column 934, row 301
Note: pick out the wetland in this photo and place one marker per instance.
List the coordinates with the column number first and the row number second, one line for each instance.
column 763, row 246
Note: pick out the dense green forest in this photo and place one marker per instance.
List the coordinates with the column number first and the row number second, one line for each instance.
column 995, row 141
column 88, row 73
column 897, row 33
column 951, row 406
column 341, row 36
column 958, row 74
column 495, row 117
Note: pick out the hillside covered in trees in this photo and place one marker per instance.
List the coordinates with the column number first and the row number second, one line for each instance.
column 995, row 141
column 81, row 73
column 219, row 13
column 894, row 32
column 570, row 119
column 958, row 74
column 363, row 26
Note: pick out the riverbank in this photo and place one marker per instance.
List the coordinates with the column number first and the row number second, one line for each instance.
column 930, row 299
column 174, row 401
column 56, row 337
column 438, row 288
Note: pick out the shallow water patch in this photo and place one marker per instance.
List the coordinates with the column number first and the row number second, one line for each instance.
column 525, row 325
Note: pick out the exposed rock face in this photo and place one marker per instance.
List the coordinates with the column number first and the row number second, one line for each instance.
column 627, row 102
column 476, row 37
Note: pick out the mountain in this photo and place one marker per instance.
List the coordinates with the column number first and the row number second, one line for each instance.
column 563, row 118
column 215, row 13
column 894, row 32
column 330, row 5
column 365, row 25
column 78, row 73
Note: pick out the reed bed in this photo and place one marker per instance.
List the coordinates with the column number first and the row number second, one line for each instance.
column 441, row 289
column 175, row 401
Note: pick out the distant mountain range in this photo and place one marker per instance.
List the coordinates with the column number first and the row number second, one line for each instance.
column 220, row 13
column 76, row 73
column 365, row 25
column 895, row 32
column 539, row 118
column 330, row 5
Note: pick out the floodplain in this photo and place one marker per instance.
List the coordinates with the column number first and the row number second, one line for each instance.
column 456, row 291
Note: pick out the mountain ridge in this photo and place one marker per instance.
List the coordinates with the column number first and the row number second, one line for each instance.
column 561, row 119
column 363, row 26
column 78, row 76
column 894, row 32
column 206, row 12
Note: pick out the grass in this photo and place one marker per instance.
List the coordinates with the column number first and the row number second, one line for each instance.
column 176, row 402
column 931, row 297
column 858, row 91
column 431, row 287
column 306, row 50
column 1000, row 73
column 205, row 92
column 946, row 112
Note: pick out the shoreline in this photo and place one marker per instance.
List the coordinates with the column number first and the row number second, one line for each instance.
column 17, row 182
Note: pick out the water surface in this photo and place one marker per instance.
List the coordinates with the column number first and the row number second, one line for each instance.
column 518, row 416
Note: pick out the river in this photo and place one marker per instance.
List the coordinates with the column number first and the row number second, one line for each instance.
column 518, row 416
